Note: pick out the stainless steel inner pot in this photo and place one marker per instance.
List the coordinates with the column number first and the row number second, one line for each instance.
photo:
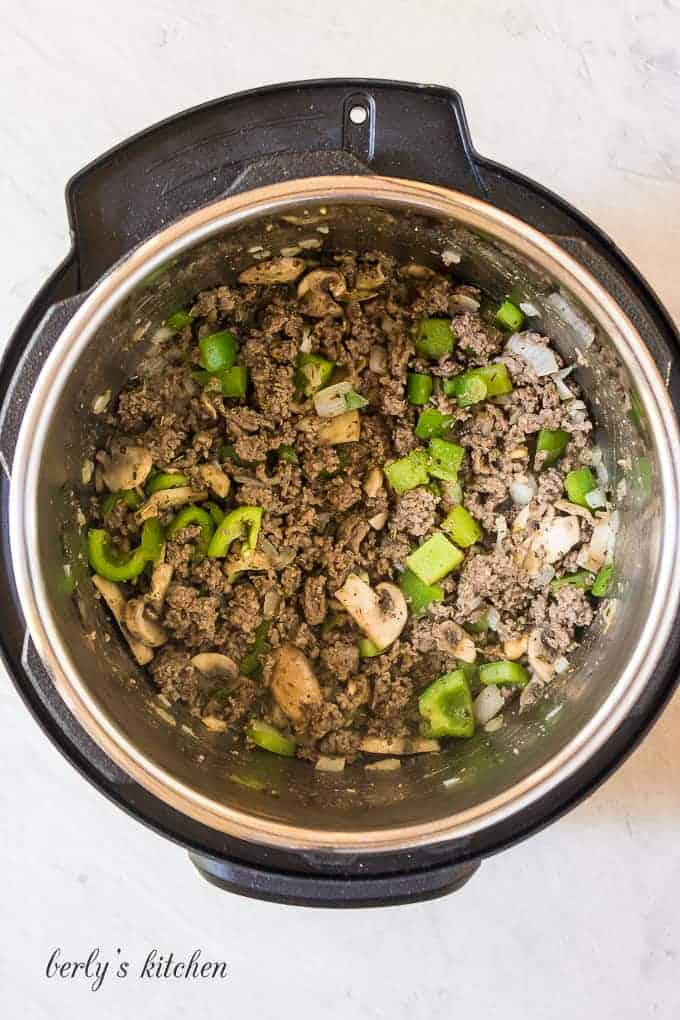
column 282, row 802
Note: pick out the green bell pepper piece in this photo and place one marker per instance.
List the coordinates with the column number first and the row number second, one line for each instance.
column 504, row 673
column 479, row 625
column 218, row 350
column 215, row 511
column 270, row 739
column 165, row 480
column 367, row 650
column 603, row 581
column 581, row 579
column 553, row 443
column 118, row 566
column 179, row 319
column 510, row 317
column 434, row 559
column 434, row 338
column 128, row 496
column 446, row 707
column 313, row 373
column 461, row 526
column 288, row 454
column 232, row 528
column 432, row 423
column 251, row 664
column 578, row 484
column 354, row 401
column 234, row 381
column 194, row 515
column 418, row 388
column 417, row 594
column 445, row 459
column 408, row 472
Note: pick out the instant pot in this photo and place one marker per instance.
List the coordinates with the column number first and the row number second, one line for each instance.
column 313, row 167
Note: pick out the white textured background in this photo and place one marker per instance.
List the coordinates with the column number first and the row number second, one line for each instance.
column 583, row 920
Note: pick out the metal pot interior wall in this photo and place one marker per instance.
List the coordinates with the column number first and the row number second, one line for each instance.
column 427, row 787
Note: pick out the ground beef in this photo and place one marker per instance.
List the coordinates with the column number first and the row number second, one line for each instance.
column 567, row 611
column 415, row 513
column 319, row 525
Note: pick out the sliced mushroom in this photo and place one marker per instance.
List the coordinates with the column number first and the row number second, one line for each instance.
column 398, row 745
column 378, row 521
column 168, row 499
column 293, row 683
column 214, row 478
column 369, row 277
column 381, row 613
column 317, row 290
column 125, row 468
column 214, row 664
column 330, row 280
column 142, row 628
column 283, row 270
column 345, row 428
column 211, row 722
column 158, row 589
column 115, row 600
column 417, row 272
column 536, row 655
column 373, row 482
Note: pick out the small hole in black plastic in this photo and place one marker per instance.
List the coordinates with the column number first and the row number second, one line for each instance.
column 358, row 114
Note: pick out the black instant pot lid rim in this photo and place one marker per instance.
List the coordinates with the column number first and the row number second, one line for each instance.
column 468, row 172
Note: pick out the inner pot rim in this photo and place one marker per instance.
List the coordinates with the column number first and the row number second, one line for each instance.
column 197, row 227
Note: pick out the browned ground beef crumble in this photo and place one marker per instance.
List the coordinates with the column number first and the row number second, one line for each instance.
column 315, row 529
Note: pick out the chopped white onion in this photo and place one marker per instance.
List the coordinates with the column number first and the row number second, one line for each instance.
column 561, row 665
column 557, row 538
column 493, row 618
column 501, row 529
column 487, row 704
column 325, row 764
column 306, row 343
column 592, row 556
column 522, row 493
column 567, row 312
column 540, row 357
column 465, row 302
column 562, row 388
column 596, row 499
column 602, row 473
column 450, row 257
column 330, row 402
column 529, row 309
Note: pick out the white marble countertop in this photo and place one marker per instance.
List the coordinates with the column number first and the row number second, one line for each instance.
column 581, row 920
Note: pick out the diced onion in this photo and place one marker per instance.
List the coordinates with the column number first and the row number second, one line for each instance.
column 494, row 724
column 562, row 388
column 557, row 538
column 593, row 556
column 522, row 493
column 384, row 765
column 451, row 257
column 330, row 402
column 596, row 499
column 487, row 704
column 561, row 665
column 330, row 764
column 567, row 312
column 540, row 357
column 465, row 302
column 306, row 343
column 377, row 361
column 493, row 618
column 529, row 309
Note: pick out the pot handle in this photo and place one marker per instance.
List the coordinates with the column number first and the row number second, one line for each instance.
column 300, row 129
column 26, row 371
column 323, row 890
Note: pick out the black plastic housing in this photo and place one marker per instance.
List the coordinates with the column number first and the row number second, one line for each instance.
column 234, row 144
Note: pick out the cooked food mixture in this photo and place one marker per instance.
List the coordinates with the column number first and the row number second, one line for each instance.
column 350, row 509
